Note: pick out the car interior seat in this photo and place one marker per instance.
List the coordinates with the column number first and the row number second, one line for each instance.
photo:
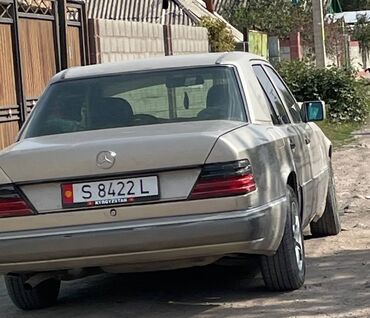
column 217, row 105
column 110, row 112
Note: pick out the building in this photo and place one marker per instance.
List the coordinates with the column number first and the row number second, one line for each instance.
column 180, row 12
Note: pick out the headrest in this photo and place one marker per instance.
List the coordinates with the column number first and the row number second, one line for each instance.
column 218, row 96
column 111, row 112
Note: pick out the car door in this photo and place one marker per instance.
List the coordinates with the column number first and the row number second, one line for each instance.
column 296, row 135
column 308, row 137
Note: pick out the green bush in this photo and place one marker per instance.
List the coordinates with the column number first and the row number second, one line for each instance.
column 346, row 98
column 220, row 36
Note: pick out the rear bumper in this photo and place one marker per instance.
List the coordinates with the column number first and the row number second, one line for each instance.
column 253, row 231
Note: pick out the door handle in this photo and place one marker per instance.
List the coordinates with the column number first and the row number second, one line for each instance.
column 292, row 144
column 307, row 140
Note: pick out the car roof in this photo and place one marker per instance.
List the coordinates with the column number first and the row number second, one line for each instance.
column 157, row 63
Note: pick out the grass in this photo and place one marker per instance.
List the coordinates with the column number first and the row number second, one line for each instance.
column 339, row 134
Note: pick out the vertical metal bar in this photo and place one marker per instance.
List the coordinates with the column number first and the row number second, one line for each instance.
column 93, row 42
column 245, row 39
column 170, row 46
column 84, row 32
column 63, row 34
column 17, row 60
column 171, row 94
column 167, row 37
column 165, row 40
column 58, row 61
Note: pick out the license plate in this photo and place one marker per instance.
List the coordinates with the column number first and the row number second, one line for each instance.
column 110, row 192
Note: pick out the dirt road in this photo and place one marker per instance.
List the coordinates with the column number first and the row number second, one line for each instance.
column 337, row 284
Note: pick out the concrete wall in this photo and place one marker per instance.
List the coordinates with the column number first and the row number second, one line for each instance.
column 187, row 40
column 124, row 40
column 285, row 50
column 355, row 55
column 113, row 40
column 291, row 49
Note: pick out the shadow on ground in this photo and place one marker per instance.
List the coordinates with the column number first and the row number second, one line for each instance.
column 337, row 286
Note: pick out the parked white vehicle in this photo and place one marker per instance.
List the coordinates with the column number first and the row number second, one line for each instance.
column 160, row 164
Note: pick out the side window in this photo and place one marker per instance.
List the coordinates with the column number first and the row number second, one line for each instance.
column 287, row 96
column 274, row 116
column 278, row 109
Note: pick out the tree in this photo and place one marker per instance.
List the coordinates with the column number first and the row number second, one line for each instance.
column 274, row 17
column 334, row 38
column 219, row 35
column 361, row 33
column 355, row 5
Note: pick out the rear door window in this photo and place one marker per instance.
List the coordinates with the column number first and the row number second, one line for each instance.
column 285, row 94
column 278, row 113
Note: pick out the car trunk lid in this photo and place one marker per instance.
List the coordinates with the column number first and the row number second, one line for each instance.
column 138, row 149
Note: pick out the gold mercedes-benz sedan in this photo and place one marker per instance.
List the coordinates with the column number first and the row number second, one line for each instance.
column 160, row 164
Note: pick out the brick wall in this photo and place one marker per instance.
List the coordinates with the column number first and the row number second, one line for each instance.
column 113, row 40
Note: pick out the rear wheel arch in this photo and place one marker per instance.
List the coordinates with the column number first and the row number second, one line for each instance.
column 292, row 182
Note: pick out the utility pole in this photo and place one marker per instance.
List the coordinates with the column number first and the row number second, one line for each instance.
column 319, row 33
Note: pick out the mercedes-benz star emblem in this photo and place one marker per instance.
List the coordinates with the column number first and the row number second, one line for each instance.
column 106, row 159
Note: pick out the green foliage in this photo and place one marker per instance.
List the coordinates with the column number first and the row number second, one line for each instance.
column 355, row 5
column 361, row 33
column 219, row 35
column 339, row 134
column 274, row 17
column 345, row 97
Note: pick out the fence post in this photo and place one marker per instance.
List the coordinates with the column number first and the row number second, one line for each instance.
column 63, row 53
column 94, row 42
column 295, row 46
column 274, row 49
column 167, row 37
column 245, row 39
column 17, row 60
column 85, row 34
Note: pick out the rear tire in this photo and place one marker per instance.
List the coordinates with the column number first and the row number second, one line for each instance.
column 329, row 223
column 43, row 295
column 286, row 269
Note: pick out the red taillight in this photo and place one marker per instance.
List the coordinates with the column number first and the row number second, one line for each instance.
column 12, row 204
column 226, row 179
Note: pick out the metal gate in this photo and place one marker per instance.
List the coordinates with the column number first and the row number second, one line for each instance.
column 37, row 39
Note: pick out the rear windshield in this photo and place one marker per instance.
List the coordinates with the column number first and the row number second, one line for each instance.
column 136, row 99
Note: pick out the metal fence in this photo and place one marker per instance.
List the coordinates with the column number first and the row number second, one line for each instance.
column 37, row 39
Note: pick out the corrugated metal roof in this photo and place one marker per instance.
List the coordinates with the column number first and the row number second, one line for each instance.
column 183, row 12
column 137, row 10
column 350, row 17
column 197, row 9
column 221, row 4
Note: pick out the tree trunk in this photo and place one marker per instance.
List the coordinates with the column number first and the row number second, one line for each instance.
column 364, row 55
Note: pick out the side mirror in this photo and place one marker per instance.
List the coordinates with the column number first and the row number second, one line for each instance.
column 313, row 111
